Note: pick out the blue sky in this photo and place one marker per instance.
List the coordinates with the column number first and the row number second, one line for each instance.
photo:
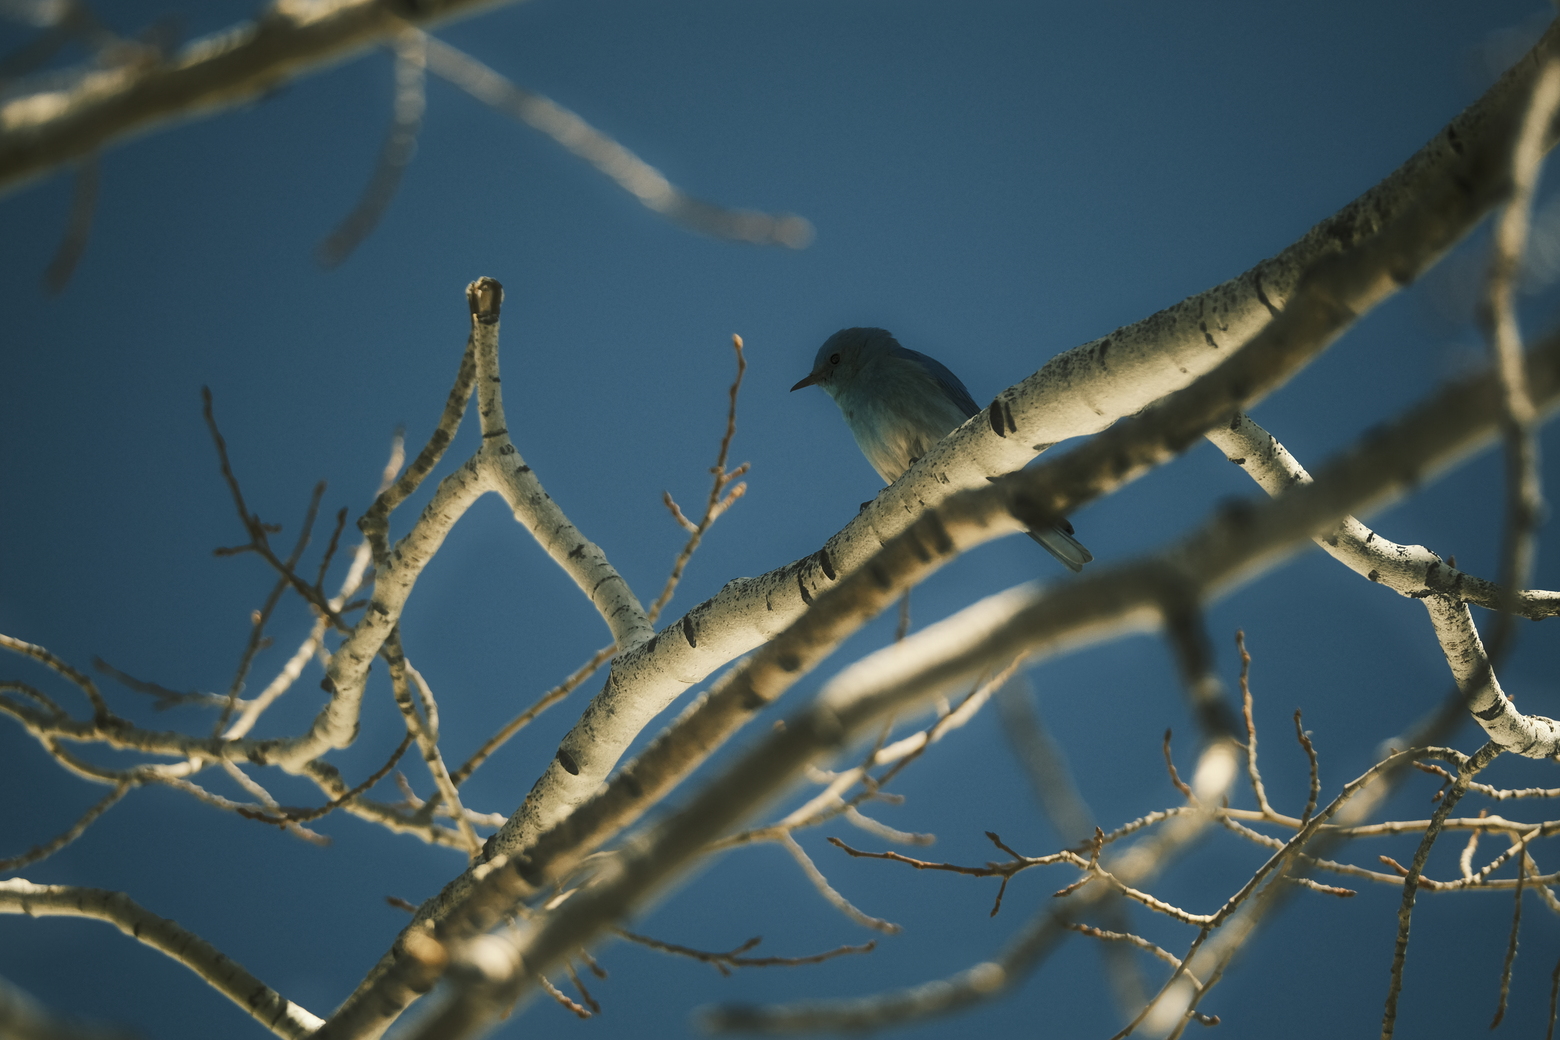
column 994, row 182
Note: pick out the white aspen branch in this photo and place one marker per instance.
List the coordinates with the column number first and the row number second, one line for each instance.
column 1356, row 260
column 1027, row 621
column 500, row 464
column 278, row 1014
column 1373, row 245
column 1408, row 571
column 316, row 638
column 291, row 38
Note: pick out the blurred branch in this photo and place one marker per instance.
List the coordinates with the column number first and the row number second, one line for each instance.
column 83, row 205
column 627, row 170
column 291, row 39
column 411, row 60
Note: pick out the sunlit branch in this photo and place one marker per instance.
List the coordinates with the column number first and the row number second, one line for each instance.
column 273, row 1011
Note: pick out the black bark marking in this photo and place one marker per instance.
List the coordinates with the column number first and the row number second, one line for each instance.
column 650, row 643
column 1262, row 297
column 578, row 551
column 826, row 563
column 1494, row 711
column 802, row 585
column 1374, row 575
column 1453, row 140
column 942, row 542
column 690, row 632
column 1104, row 348
column 994, row 416
column 523, row 469
column 1207, row 335
column 1240, row 461
column 566, row 760
column 495, row 433
column 1370, row 538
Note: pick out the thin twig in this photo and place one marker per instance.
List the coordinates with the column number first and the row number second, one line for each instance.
column 1175, row 778
column 520, row 721
column 724, row 962
column 308, row 815
column 579, row 984
column 399, row 147
column 1511, row 943
column 165, row 698
column 1251, row 726
column 1316, row 779
column 1465, row 772
column 49, row 848
column 829, row 893
column 561, row 997
column 83, row 206
column 101, row 715
column 719, row 500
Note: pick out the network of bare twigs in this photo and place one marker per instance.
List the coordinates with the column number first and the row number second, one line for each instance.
column 555, row 867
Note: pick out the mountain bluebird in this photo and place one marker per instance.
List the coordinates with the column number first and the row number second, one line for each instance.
column 899, row 403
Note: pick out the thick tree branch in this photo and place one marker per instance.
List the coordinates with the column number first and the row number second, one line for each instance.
column 291, row 38
column 1030, row 621
column 1408, row 570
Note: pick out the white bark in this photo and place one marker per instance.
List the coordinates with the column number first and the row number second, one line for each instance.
column 1029, row 621
column 1078, row 392
column 45, row 129
column 1408, row 570
column 265, row 1005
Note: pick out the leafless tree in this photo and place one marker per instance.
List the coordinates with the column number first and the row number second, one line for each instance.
column 573, row 863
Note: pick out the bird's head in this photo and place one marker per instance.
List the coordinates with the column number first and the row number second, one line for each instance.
column 843, row 356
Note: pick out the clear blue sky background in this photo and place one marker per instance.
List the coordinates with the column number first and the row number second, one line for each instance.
column 995, row 182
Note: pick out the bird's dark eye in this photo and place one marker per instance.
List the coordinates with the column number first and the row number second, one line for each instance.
column 834, row 359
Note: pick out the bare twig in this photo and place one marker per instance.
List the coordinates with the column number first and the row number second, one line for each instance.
column 1511, row 943
column 399, row 148
column 1251, row 728
column 829, row 893
column 719, row 500
column 49, row 848
column 1316, row 780
column 724, row 962
column 562, row 998
column 1175, row 778
column 1465, row 772
column 83, row 206
column 306, row 815
column 520, row 721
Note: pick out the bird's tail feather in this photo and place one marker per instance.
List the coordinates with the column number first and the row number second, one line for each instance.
column 1061, row 544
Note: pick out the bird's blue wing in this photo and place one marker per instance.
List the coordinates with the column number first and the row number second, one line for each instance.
column 938, row 371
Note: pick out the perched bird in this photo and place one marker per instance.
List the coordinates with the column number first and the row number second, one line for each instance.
column 899, row 403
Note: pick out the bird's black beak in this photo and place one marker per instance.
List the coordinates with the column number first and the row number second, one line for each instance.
column 811, row 380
